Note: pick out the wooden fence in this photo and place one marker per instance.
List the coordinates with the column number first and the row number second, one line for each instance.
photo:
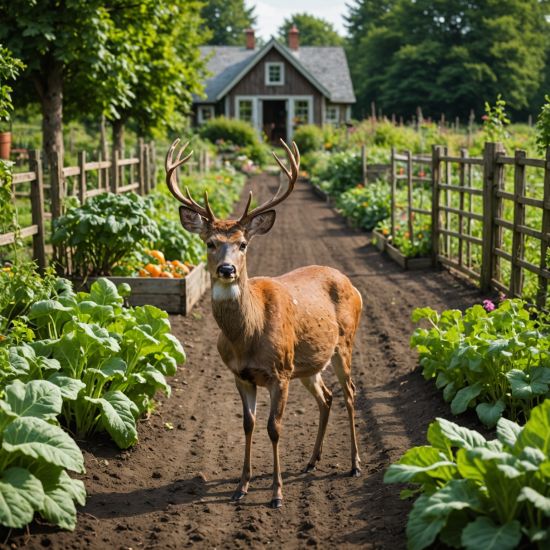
column 490, row 215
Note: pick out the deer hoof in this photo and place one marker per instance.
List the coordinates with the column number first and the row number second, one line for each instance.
column 309, row 468
column 238, row 495
column 355, row 472
column 276, row 503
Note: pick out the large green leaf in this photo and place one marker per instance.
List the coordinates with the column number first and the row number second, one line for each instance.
column 37, row 398
column 489, row 413
column 418, row 465
column 484, row 534
column 69, row 387
column 459, row 436
column 118, row 417
column 539, row 501
column 508, row 431
column 464, row 397
column 104, row 292
column 536, row 432
column 422, row 531
column 36, row 438
column 20, row 495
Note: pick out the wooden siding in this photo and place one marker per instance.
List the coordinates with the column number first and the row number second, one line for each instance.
column 295, row 84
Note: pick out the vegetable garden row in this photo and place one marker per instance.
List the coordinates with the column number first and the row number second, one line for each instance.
column 77, row 363
column 470, row 491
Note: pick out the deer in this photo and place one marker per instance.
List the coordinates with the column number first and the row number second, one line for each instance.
column 273, row 329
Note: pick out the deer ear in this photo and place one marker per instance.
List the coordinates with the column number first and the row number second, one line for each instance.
column 193, row 222
column 260, row 224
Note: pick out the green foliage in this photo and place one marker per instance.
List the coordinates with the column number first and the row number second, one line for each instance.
column 233, row 135
column 314, row 31
column 495, row 361
column 10, row 67
column 35, row 455
column 476, row 493
column 308, row 138
column 108, row 361
column 495, row 121
column 8, row 220
column 419, row 246
column 453, row 56
column 365, row 205
column 342, row 172
column 227, row 20
column 104, row 230
column 543, row 127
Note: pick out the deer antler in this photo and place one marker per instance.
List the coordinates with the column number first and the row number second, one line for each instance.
column 171, row 181
column 292, row 175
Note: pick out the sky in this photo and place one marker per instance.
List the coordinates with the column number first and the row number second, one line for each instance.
column 271, row 13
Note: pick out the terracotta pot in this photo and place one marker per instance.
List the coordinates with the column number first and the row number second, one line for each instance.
column 5, row 145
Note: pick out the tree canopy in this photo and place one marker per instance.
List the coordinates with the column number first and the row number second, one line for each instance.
column 314, row 31
column 447, row 56
column 227, row 20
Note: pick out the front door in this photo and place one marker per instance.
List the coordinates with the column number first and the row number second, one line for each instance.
column 274, row 116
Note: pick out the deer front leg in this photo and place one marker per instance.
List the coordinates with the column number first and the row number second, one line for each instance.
column 247, row 392
column 279, row 394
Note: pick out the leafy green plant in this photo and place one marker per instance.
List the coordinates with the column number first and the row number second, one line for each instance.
column 365, row 205
column 10, row 67
column 495, row 120
column 103, row 231
column 342, row 171
column 108, row 361
column 543, row 127
column 35, row 455
column 497, row 361
column 308, row 138
column 476, row 493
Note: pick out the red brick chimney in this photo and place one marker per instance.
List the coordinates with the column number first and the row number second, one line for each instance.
column 294, row 38
column 250, row 39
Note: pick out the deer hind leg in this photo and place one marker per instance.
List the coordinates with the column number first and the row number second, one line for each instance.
column 341, row 363
column 247, row 392
column 323, row 396
column 279, row 395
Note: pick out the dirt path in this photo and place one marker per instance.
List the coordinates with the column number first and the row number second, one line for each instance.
column 173, row 489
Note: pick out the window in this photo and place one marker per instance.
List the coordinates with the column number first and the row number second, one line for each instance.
column 245, row 110
column 274, row 74
column 206, row 112
column 332, row 114
column 301, row 112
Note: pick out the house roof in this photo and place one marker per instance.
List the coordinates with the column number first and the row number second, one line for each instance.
column 325, row 67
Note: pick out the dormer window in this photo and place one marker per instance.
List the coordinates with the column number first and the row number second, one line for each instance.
column 274, row 74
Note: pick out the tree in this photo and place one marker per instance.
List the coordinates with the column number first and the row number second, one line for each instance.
column 314, row 31
column 449, row 56
column 227, row 20
column 56, row 40
column 10, row 67
column 363, row 17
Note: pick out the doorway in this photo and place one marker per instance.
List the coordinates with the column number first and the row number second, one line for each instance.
column 274, row 120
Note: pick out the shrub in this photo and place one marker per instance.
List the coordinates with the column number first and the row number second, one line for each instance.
column 366, row 205
column 222, row 129
column 543, row 127
column 308, row 138
column 342, row 171
column 478, row 493
column 103, row 231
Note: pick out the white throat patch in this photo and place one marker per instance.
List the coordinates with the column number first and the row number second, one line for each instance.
column 221, row 292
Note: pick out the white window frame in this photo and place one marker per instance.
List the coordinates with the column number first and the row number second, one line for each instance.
column 254, row 100
column 292, row 110
column 281, row 66
column 332, row 120
column 200, row 116
column 252, row 108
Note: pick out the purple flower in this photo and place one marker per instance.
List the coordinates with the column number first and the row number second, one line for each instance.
column 488, row 305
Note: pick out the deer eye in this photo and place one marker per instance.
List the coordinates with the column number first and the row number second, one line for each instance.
column 210, row 245
column 243, row 246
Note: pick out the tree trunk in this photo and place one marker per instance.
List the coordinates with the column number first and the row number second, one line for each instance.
column 51, row 95
column 103, row 139
column 118, row 136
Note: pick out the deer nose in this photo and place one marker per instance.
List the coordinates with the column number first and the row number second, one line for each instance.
column 226, row 270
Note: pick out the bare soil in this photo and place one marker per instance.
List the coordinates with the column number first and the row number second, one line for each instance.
column 173, row 489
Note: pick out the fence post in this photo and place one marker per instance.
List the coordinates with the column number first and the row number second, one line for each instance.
column 141, row 156
column 82, row 176
column 146, row 168
column 436, row 181
column 37, row 205
column 410, row 195
column 392, row 185
column 462, row 184
column 491, row 181
column 543, row 280
column 364, row 164
column 153, row 164
column 516, row 282
column 114, row 171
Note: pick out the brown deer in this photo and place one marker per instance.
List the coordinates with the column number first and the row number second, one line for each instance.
column 274, row 329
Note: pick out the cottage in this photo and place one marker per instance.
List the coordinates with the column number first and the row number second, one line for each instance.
column 277, row 87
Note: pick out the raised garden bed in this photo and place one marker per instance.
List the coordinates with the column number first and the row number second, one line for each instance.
column 320, row 193
column 397, row 256
column 171, row 295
